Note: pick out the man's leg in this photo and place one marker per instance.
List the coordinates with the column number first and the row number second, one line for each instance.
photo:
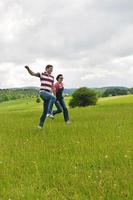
column 44, row 113
column 46, row 97
column 51, row 102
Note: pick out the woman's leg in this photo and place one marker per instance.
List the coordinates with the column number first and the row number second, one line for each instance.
column 59, row 108
column 65, row 110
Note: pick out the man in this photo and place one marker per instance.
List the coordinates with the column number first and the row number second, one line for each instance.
column 46, row 89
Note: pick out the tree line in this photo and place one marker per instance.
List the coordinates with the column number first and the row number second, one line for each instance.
column 13, row 94
column 81, row 97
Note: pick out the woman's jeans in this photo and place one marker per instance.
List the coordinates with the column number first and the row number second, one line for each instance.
column 60, row 105
column 48, row 101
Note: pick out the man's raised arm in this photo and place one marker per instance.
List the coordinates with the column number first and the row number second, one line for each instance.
column 31, row 72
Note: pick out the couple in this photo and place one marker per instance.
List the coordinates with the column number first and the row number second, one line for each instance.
column 47, row 88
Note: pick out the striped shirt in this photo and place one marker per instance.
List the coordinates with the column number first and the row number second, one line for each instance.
column 47, row 81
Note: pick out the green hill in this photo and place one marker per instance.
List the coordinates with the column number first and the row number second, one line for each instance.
column 23, row 92
column 89, row 159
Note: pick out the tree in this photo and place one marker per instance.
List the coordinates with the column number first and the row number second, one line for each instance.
column 130, row 90
column 115, row 92
column 83, row 97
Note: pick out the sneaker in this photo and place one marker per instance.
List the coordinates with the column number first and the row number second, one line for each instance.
column 40, row 127
column 50, row 116
column 67, row 122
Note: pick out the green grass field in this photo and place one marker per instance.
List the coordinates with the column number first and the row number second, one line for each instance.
column 90, row 159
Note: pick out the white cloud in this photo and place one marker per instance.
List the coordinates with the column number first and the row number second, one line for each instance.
column 89, row 41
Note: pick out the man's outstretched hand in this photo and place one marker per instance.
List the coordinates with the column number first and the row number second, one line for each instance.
column 26, row 67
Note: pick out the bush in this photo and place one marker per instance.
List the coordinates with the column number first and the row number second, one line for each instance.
column 38, row 100
column 83, row 97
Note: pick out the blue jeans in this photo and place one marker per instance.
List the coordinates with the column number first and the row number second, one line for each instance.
column 48, row 101
column 60, row 105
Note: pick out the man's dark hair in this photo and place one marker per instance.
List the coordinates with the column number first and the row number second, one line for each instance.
column 48, row 66
column 58, row 76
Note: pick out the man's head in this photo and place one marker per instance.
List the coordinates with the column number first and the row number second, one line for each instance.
column 49, row 69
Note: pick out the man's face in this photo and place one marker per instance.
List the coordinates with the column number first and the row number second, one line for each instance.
column 49, row 70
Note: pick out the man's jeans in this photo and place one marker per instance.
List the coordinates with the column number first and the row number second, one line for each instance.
column 60, row 104
column 48, row 101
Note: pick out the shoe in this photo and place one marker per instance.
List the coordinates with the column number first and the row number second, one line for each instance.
column 67, row 122
column 40, row 127
column 50, row 116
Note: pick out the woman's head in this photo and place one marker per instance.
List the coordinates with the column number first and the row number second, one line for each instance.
column 59, row 78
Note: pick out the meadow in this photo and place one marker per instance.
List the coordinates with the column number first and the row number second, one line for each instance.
column 89, row 159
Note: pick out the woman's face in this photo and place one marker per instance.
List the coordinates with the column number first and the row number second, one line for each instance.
column 60, row 79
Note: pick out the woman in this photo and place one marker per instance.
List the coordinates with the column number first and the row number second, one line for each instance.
column 60, row 103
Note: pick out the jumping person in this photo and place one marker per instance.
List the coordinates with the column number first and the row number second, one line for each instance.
column 46, row 89
column 60, row 103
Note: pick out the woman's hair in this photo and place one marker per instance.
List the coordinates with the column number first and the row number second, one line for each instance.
column 58, row 76
column 48, row 66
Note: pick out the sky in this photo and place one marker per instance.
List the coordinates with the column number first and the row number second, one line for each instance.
column 90, row 42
